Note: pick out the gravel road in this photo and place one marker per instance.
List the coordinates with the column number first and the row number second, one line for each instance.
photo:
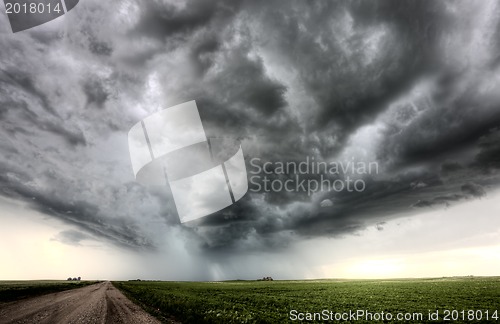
column 99, row 303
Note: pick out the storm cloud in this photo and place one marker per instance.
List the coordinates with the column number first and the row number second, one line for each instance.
column 410, row 85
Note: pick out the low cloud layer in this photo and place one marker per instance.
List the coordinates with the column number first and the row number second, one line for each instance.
column 410, row 85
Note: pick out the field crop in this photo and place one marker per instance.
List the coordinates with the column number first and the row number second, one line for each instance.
column 15, row 290
column 273, row 301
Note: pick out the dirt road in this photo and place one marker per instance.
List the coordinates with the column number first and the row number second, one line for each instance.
column 99, row 303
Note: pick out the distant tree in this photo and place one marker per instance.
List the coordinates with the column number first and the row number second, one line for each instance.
column 69, row 279
column 79, row 278
column 74, row 279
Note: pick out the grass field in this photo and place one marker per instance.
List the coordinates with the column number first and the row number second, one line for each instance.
column 15, row 290
column 275, row 301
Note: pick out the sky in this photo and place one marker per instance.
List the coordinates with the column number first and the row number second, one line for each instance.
column 411, row 86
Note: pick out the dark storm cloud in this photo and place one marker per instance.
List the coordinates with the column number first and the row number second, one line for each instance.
column 96, row 92
column 489, row 154
column 242, row 97
column 454, row 125
column 380, row 226
column 73, row 138
column 287, row 79
column 71, row 237
column 161, row 19
column 100, row 48
column 328, row 44
column 425, row 134
column 24, row 82
column 81, row 214
column 202, row 54
column 449, row 167
column 474, row 189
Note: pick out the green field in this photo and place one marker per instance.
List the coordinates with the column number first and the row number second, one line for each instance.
column 15, row 290
column 273, row 301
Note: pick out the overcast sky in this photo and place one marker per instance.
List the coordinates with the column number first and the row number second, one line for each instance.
column 410, row 85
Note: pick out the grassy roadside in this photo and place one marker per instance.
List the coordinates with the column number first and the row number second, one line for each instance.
column 161, row 314
column 15, row 290
column 272, row 302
